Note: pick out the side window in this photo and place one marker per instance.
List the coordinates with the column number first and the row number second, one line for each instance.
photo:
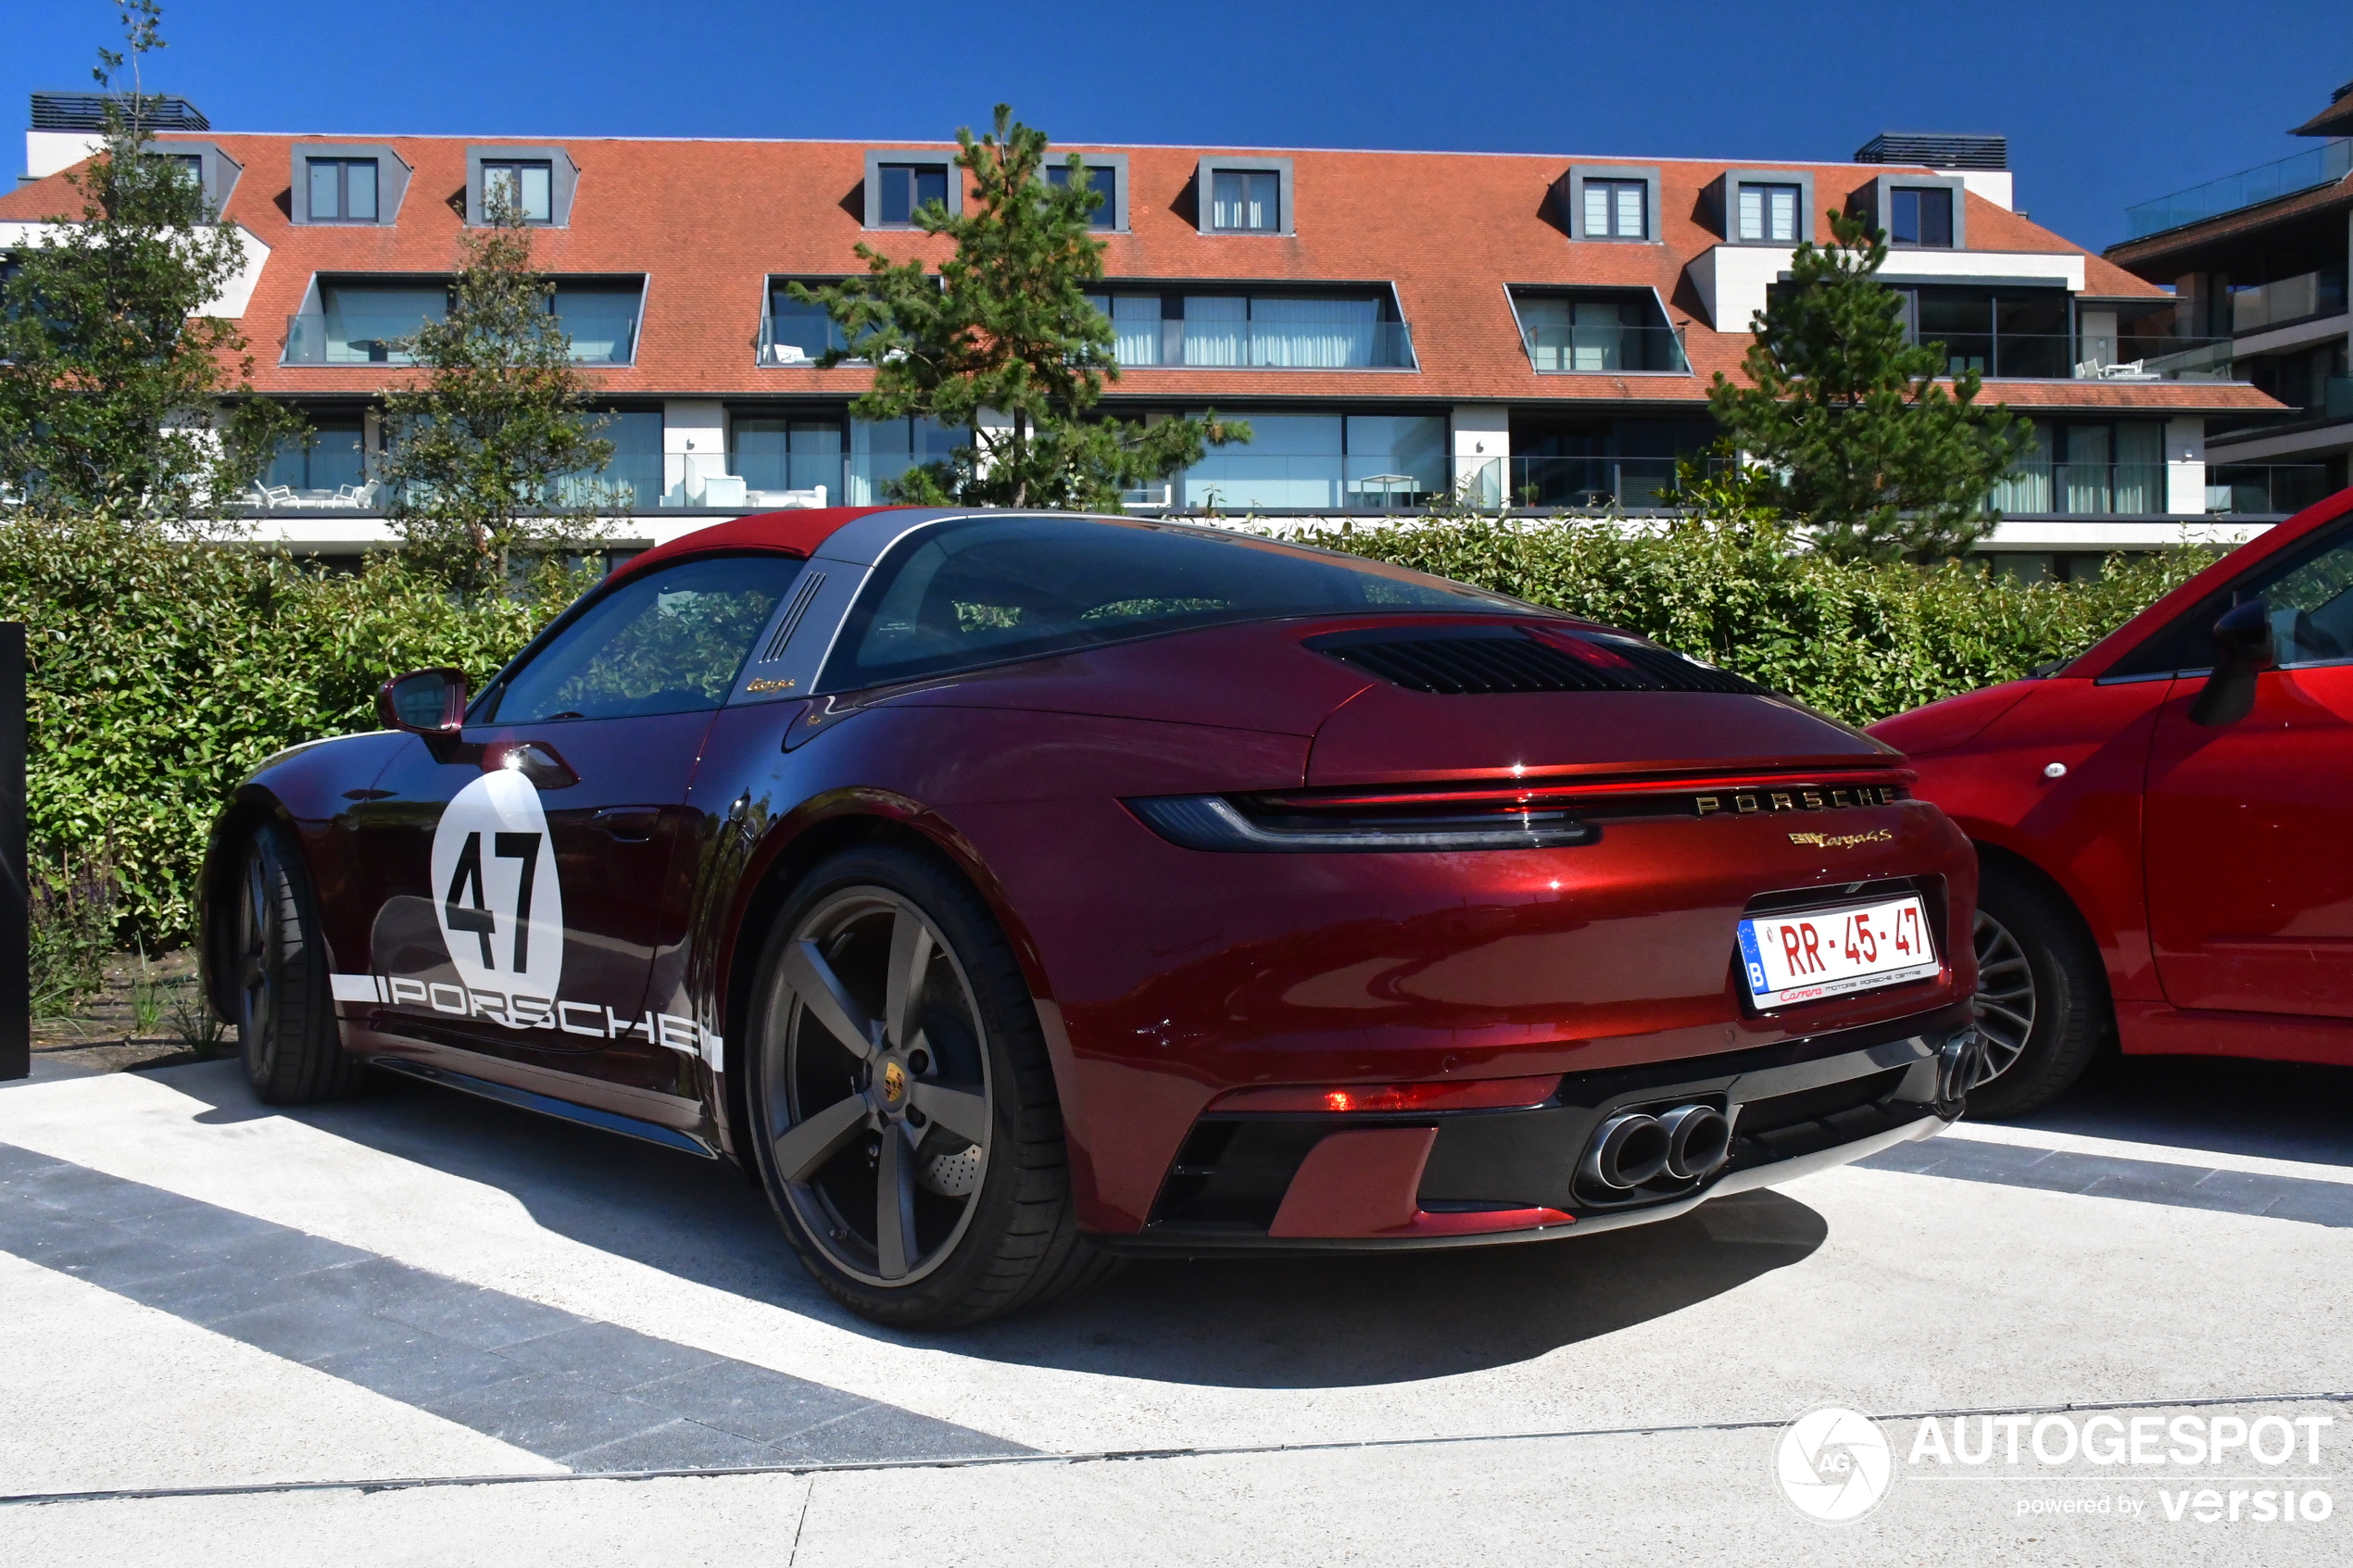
column 2311, row 605
column 669, row 642
column 2308, row 593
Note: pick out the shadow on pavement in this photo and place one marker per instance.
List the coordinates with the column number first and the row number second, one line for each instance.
column 1272, row 1323
column 2276, row 1109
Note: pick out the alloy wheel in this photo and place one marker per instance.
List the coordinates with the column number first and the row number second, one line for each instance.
column 2004, row 1000
column 878, row 1102
column 254, row 970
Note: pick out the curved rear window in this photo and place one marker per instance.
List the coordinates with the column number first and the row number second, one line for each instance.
column 988, row 590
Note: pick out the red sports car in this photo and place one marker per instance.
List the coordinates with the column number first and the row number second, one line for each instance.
column 2165, row 825
column 1011, row 891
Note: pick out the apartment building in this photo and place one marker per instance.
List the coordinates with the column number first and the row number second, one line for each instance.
column 1540, row 330
column 2260, row 259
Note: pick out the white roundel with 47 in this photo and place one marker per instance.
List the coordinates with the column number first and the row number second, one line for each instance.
column 494, row 889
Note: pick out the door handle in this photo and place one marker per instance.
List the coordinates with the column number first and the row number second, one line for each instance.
column 629, row 824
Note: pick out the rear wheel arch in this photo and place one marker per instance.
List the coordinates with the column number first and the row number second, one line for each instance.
column 773, row 880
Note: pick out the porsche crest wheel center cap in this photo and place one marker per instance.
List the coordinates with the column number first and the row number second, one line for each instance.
column 894, row 1083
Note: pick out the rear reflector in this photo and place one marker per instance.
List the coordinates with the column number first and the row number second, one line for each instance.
column 1474, row 1094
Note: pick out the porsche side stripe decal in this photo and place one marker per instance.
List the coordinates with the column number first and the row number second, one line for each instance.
column 357, row 988
column 526, row 1012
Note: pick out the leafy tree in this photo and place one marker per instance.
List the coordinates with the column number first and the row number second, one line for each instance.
column 1005, row 327
column 1864, row 445
column 477, row 446
column 112, row 380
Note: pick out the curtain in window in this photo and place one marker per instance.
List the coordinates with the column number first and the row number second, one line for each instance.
column 2140, row 466
column 1135, row 324
column 2087, row 487
column 1323, row 335
column 1216, row 329
column 2027, row 489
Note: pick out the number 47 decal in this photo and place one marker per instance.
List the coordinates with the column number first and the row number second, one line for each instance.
column 477, row 917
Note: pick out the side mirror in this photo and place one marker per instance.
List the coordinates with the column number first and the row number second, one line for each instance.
column 2242, row 651
column 424, row 702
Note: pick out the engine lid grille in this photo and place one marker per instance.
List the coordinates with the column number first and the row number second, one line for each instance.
column 1470, row 661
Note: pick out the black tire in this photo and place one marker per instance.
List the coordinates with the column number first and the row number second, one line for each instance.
column 285, row 1017
column 964, row 1024
column 2043, row 999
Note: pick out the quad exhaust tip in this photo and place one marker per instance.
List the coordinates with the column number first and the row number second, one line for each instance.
column 1960, row 1066
column 1635, row 1146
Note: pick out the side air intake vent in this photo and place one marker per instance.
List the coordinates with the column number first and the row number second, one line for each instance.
column 1471, row 661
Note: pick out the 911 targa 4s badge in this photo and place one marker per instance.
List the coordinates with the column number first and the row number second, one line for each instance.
column 1008, row 893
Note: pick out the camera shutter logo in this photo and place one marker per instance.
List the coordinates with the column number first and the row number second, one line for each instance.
column 1834, row 1465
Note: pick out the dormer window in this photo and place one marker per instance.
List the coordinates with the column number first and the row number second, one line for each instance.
column 528, row 187
column 212, row 171
column 1245, row 195
column 899, row 184
column 1246, row 202
column 538, row 183
column 907, row 188
column 1920, row 217
column 1603, row 202
column 1768, row 214
column 347, row 182
column 1916, row 212
column 1763, row 206
column 1615, row 210
column 1106, row 172
column 343, row 189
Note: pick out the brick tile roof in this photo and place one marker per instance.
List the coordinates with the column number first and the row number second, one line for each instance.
column 709, row 222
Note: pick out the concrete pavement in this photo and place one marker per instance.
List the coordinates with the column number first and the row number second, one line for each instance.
column 207, row 1294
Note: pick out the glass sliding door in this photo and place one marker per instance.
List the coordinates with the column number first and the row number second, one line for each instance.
column 882, row 451
column 779, row 453
column 1293, row 462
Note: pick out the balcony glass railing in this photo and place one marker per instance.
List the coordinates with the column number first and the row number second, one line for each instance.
column 1602, row 350
column 1265, row 345
column 2287, row 299
column 2297, row 172
column 345, row 338
column 2274, row 489
column 2056, row 356
column 797, row 340
column 1590, row 481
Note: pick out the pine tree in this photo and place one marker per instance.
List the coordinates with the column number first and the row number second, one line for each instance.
column 475, row 447
column 1864, row 445
column 1005, row 329
column 119, row 398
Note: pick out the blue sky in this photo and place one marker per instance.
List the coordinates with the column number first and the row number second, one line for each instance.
column 2104, row 104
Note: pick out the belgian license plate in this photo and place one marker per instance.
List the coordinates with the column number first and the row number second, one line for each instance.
column 1807, row 954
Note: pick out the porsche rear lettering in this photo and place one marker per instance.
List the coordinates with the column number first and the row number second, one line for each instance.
column 1744, row 805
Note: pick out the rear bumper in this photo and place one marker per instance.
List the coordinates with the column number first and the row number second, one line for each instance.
column 1275, row 1183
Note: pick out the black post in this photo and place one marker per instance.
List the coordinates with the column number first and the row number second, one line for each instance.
column 16, row 987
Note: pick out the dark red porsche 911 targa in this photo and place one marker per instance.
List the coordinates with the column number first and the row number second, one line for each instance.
column 1009, row 892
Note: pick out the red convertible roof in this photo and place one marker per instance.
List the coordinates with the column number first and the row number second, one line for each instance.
column 796, row 533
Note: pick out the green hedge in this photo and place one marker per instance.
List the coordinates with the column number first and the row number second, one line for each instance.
column 1859, row 642
column 162, row 673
